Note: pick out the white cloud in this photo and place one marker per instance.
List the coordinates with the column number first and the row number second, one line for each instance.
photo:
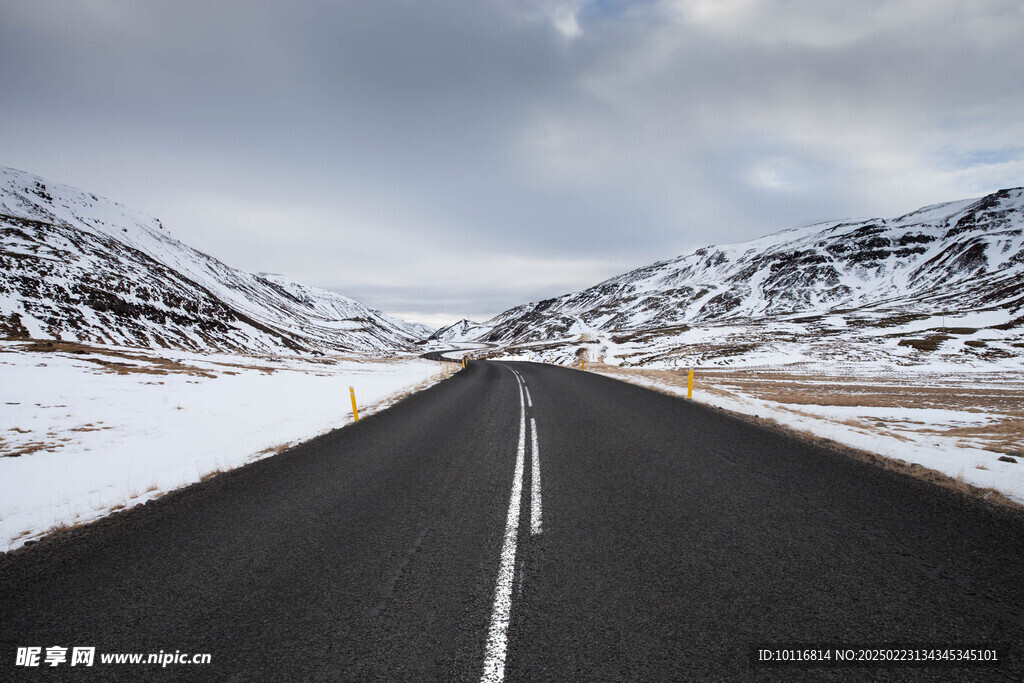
column 776, row 173
column 885, row 99
column 561, row 15
column 565, row 18
column 718, row 14
column 835, row 24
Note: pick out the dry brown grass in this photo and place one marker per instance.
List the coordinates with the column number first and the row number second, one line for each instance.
column 144, row 363
column 24, row 449
column 265, row 369
column 794, row 388
column 1005, row 435
column 62, row 527
column 211, row 474
column 91, row 427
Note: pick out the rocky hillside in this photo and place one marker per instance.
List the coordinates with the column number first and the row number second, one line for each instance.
column 74, row 266
column 908, row 280
column 462, row 331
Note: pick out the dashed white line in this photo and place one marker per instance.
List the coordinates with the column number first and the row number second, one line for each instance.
column 529, row 401
column 497, row 634
column 535, row 508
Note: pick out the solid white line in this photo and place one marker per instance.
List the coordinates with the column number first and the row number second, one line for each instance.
column 497, row 634
column 535, row 509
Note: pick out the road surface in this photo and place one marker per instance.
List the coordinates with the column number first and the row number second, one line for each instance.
column 527, row 522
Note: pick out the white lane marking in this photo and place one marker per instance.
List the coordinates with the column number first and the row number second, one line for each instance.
column 497, row 634
column 536, row 523
column 535, row 509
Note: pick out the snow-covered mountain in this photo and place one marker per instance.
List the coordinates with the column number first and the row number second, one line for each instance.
column 948, row 278
column 74, row 266
column 462, row 331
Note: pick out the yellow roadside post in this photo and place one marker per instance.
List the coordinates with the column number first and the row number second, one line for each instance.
column 689, row 385
column 583, row 363
column 355, row 411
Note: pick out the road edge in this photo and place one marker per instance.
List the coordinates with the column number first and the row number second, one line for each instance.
column 83, row 529
column 988, row 496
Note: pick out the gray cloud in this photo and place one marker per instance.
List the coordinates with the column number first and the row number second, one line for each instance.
column 441, row 157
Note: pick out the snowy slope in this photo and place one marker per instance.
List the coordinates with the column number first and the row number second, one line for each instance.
column 844, row 279
column 462, row 331
column 75, row 266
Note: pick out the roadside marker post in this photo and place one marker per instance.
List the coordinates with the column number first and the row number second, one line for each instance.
column 583, row 364
column 689, row 385
column 355, row 411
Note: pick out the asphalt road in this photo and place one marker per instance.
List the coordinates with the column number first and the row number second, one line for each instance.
column 578, row 529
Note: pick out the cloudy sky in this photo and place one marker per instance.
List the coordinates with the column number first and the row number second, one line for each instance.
column 450, row 158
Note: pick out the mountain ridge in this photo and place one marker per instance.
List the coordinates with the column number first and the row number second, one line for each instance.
column 66, row 253
column 944, row 259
